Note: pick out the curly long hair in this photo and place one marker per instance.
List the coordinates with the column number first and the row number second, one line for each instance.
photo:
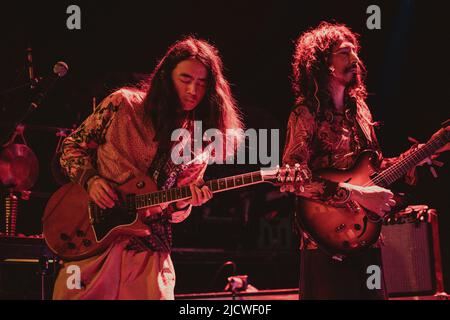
column 161, row 103
column 311, row 69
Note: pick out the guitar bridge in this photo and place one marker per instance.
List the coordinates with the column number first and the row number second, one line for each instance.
column 353, row 206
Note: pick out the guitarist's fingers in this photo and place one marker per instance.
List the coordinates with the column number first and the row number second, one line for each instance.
column 380, row 210
column 194, row 192
column 107, row 188
column 105, row 199
column 385, row 207
column 102, row 200
column 391, row 202
column 207, row 194
column 99, row 204
column 199, row 182
column 210, row 193
column 200, row 196
column 98, row 201
column 389, row 194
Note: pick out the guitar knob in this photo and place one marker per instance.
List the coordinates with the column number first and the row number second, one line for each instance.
column 80, row 233
column 64, row 237
column 71, row 245
column 87, row 242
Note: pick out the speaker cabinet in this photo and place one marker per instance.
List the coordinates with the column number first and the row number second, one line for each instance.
column 411, row 253
column 27, row 269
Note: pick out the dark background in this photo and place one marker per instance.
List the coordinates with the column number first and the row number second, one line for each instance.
column 119, row 42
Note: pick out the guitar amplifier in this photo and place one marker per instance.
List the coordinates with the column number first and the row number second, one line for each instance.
column 27, row 268
column 411, row 253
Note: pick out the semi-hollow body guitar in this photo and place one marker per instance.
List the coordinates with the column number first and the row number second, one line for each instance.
column 350, row 227
column 75, row 227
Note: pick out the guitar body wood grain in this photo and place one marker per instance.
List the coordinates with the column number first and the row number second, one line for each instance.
column 342, row 230
column 75, row 228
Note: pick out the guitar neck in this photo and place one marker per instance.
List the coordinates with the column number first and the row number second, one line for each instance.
column 401, row 167
column 180, row 193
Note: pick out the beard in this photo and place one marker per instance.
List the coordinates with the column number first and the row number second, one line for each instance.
column 353, row 80
column 352, row 73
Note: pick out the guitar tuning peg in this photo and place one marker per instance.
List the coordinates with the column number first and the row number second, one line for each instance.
column 437, row 163
column 432, row 170
column 287, row 174
column 413, row 140
column 296, row 172
column 277, row 169
column 278, row 173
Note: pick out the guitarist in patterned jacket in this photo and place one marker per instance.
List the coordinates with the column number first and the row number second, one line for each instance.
column 129, row 134
column 329, row 128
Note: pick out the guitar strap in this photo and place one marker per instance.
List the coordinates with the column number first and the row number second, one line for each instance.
column 165, row 173
column 365, row 123
column 162, row 169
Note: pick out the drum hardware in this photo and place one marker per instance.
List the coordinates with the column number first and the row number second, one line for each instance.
column 19, row 169
column 31, row 250
column 19, row 166
column 11, row 205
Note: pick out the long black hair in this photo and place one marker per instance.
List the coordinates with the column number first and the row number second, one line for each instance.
column 311, row 70
column 161, row 103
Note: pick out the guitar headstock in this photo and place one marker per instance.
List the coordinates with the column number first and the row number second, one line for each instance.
column 285, row 175
column 446, row 129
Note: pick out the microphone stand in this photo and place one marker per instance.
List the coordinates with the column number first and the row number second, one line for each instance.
column 60, row 70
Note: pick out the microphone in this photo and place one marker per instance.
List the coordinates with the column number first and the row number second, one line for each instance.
column 60, row 69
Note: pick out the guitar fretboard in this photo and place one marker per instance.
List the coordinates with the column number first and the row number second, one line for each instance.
column 181, row 193
column 400, row 168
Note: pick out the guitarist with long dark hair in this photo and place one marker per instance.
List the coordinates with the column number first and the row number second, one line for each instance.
column 329, row 128
column 129, row 134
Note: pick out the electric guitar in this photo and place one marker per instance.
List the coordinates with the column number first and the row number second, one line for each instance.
column 350, row 227
column 75, row 228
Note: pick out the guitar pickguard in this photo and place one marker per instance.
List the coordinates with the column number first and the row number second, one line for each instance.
column 105, row 221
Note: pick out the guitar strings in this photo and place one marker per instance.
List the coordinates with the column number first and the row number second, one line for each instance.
column 389, row 171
